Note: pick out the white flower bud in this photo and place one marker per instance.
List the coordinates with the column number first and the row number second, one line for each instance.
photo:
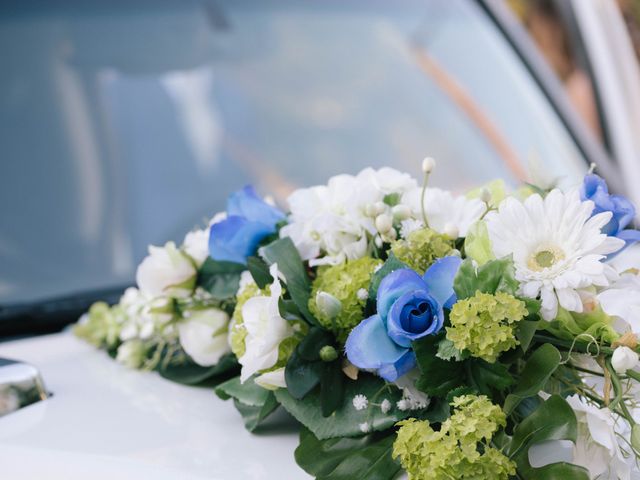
column 401, row 212
column 370, row 210
column 384, row 223
column 624, row 359
column 428, row 164
column 378, row 241
column 328, row 304
column 451, row 230
column 485, row 195
column 380, row 207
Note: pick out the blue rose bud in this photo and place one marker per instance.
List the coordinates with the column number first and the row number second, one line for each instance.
column 409, row 307
column 249, row 220
column 594, row 188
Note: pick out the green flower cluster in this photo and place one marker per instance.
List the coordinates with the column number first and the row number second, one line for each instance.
column 101, row 326
column 460, row 449
column 349, row 284
column 484, row 324
column 421, row 248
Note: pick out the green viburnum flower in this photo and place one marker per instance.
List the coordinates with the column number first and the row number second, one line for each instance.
column 421, row 248
column 484, row 324
column 460, row 449
column 101, row 325
column 339, row 294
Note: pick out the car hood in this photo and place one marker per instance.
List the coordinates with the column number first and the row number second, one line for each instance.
column 107, row 421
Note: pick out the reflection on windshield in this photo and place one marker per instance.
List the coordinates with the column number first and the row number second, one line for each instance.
column 126, row 129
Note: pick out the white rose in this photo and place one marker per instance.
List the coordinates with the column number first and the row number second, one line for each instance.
column 132, row 353
column 272, row 380
column 196, row 245
column 624, row 359
column 597, row 447
column 166, row 271
column 203, row 335
column 265, row 330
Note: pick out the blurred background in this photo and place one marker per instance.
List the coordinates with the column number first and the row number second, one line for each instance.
column 129, row 123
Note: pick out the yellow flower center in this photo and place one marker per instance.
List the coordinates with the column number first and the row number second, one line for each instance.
column 545, row 257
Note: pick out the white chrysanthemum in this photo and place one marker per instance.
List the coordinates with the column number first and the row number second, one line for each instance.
column 557, row 247
column 331, row 221
column 444, row 211
column 597, row 447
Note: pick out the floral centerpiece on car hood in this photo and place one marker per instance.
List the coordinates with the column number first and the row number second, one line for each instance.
column 404, row 327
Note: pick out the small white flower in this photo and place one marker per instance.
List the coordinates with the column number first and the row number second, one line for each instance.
column 196, row 245
column 402, row 405
column 364, row 427
column 131, row 353
column 272, row 380
column 360, row 402
column 557, row 247
column 444, row 210
column 265, row 330
column 362, row 294
column 166, row 271
column 384, row 223
column 624, row 359
column 385, row 406
column 203, row 335
column 407, row 227
column 597, row 447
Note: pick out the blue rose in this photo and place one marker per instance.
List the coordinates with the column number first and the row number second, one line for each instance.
column 409, row 307
column 594, row 188
column 249, row 220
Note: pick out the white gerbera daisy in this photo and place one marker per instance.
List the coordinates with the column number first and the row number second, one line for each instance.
column 557, row 247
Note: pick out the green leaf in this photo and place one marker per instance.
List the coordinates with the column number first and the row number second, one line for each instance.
column 284, row 253
column 494, row 276
column 525, row 331
column 535, row 374
column 301, row 375
column 331, row 387
column 477, row 244
column 259, row 271
column 254, row 415
column 437, row 376
column 346, row 420
column 364, row 458
column 190, row 373
column 221, row 279
column 552, row 420
column 487, row 377
column 448, row 351
column 252, row 401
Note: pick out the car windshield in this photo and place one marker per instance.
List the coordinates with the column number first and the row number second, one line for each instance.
column 125, row 124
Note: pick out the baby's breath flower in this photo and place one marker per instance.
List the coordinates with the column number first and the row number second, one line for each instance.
column 484, row 324
column 385, row 406
column 421, row 248
column 364, row 427
column 362, row 294
column 344, row 283
column 452, row 451
column 360, row 402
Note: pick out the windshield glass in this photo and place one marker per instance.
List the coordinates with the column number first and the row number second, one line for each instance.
column 124, row 124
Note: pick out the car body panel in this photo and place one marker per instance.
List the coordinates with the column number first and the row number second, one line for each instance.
column 105, row 420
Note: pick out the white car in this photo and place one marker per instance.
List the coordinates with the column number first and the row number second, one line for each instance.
column 123, row 125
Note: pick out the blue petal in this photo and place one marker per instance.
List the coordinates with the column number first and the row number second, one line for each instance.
column 394, row 285
column 629, row 236
column 439, row 280
column 368, row 345
column 624, row 211
column 394, row 371
column 236, row 238
column 246, row 203
column 397, row 328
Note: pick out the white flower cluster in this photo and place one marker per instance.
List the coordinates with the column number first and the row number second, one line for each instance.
column 339, row 221
column 166, row 276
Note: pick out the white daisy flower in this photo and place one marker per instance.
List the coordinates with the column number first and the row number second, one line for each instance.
column 557, row 247
column 360, row 402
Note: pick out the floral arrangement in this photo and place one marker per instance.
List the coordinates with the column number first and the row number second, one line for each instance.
column 405, row 328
